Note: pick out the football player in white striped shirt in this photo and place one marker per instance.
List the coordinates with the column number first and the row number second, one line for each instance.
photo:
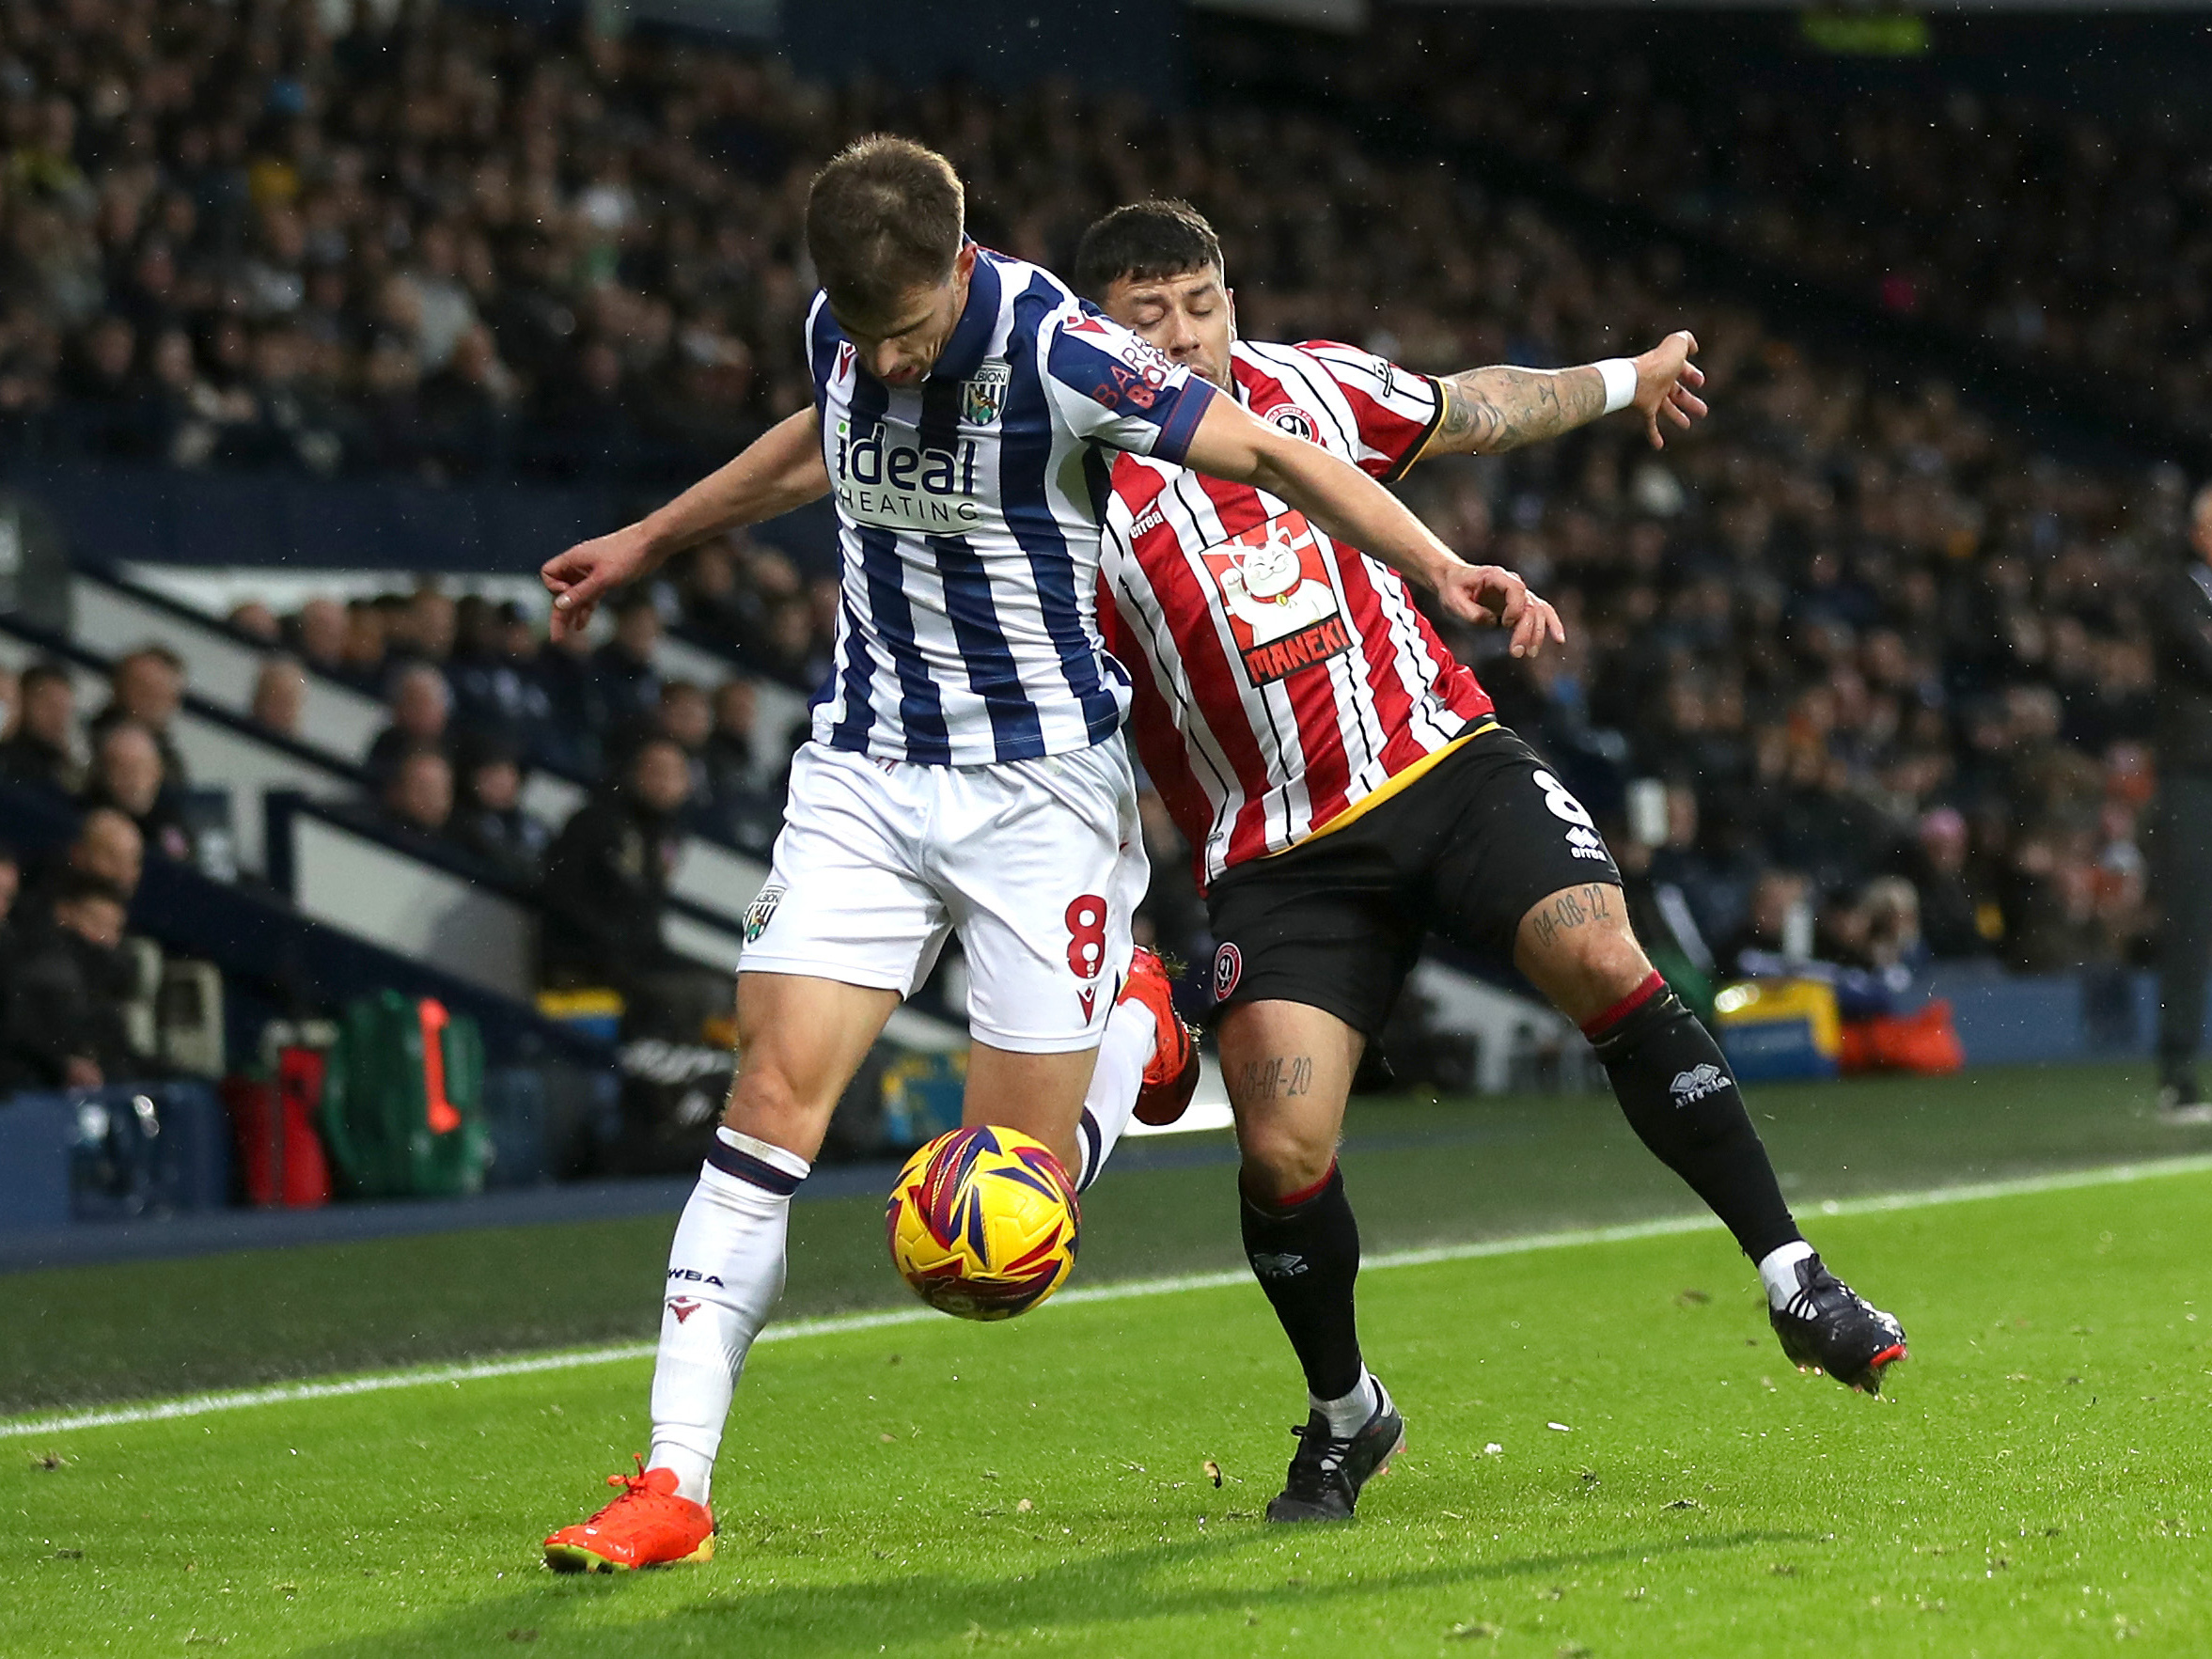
column 1347, row 789
column 966, row 772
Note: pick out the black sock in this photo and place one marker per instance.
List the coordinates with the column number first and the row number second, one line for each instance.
column 1305, row 1252
column 1680, row 1097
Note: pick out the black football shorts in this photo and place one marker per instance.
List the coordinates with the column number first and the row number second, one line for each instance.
column 1465, row 850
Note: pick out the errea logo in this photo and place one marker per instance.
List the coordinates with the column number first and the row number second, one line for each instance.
column 1701, row 1080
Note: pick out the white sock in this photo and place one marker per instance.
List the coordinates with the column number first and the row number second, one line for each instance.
column 1131, row 1035
column 1350, row 1412
column 1777, row 1271
column 725, row 1272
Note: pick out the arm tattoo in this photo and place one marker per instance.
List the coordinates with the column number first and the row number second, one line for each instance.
column 1487, row 411
column 1567, row 911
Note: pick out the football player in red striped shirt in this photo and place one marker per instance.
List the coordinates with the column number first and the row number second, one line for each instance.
column 1348, row 789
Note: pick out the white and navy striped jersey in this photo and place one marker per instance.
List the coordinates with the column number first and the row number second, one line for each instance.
column 968, row 510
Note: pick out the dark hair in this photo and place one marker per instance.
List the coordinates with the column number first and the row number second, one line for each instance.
column 73, row 886
column 157, row 651
column 884, row 217
column 1143, row 241
column 43, row 672
column 409, row 755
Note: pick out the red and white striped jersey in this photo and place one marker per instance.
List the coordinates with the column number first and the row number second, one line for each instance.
column 1284, row 679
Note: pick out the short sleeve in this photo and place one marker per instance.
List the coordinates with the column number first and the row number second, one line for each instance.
column 1111, row 387
column 1396, row 410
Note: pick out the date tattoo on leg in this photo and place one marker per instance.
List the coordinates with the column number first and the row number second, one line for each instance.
column 1578, row 907
column 1284, row 1077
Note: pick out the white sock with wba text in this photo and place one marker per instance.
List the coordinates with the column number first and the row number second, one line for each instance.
column 1131, row 1035
column 725, row 1272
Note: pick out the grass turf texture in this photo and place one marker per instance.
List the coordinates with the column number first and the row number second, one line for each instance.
column 2035, row 1487
column 1419, row 1174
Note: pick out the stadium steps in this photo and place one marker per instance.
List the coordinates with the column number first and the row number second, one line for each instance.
column 276, row 961
column 296, row 787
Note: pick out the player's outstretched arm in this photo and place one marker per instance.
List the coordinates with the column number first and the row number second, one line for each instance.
column 779, row 471
column 1359, row 513
column 1489, row 410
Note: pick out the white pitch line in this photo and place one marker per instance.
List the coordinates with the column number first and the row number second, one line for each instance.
column 431, row 1376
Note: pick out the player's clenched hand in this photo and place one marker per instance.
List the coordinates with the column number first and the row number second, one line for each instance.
column 1493, row 594
column 578, row 578
column 1666, row 384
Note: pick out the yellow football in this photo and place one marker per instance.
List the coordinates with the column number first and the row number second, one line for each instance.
column 983, row 1223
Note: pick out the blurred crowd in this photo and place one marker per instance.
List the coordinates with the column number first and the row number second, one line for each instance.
column 476, row 698
column 2067, row 239
column 1884, row 664
column 478, row 683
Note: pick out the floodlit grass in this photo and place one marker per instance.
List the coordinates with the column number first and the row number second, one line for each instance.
column 1664, row 1483
column 1419, row 1174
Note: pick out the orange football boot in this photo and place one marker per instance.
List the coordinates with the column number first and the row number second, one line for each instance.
column 648, row 1525
column 1173, row 1073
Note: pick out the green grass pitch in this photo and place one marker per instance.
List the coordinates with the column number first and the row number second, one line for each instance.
column 1662, row 1482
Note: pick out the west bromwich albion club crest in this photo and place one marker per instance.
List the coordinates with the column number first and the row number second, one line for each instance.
column 760, row 912
column 982, row 396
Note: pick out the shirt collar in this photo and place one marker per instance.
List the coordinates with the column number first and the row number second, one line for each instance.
column 978, row 321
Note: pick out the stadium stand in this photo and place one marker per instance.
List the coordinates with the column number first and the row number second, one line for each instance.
column 1896, row 189
column 1858, row 671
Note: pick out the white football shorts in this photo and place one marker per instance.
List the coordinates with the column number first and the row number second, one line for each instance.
column 1038, row 865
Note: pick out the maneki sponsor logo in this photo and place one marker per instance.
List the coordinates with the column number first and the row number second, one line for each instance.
column 1282, row 605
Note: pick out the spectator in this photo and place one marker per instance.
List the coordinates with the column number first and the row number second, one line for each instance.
column 576, row 719
column 417, row 796
column 2184, row 626
column 425, row 627
column 1953, row 922
column 367, row 633
column 128, row 774
column 687, row 718
column 318, row 634
column 281, row 695
column 1778, row 927
column 607, row 881
column 731, row 756
column 629, row 684
column 420, row 702
column 40, row 746
column 108, row 848
column 488, row 816
column 147, row 685
column 13, row 1074
column 1889, row 931
column 257, row 622
column 67, row 986
column 496, row 693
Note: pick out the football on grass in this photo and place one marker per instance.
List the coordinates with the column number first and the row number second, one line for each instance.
column 983, row 1223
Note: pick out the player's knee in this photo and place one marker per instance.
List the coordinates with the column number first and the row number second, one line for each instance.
column 762, row 1101
column 1281, row 1158
column 1578, row 947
